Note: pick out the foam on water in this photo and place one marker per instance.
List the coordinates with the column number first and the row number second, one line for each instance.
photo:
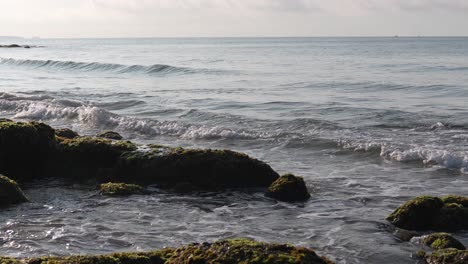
column 86, row 116
column 368, row 122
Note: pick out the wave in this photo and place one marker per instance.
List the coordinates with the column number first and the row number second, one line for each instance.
column 293, row 134
column 155, row 69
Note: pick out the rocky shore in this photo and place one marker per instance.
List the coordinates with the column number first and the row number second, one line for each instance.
column 227, row 251
column 33, row 150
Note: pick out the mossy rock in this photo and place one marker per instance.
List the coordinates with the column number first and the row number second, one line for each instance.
column 288, row 188
column 10, row 193
column 32, row 150
column 66, row 133
column 86, row 157
column 201, row 168
column 235, row 251
column 24, row 147
column 121, row 189
column 110, row 135
column 447, row 256
column 441, row 241
column 431, row 213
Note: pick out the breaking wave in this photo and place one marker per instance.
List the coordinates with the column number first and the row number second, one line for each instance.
column 100, row 67
column 297, row 133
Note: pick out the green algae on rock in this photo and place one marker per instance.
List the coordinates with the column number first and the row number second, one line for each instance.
column 120, row 189
column 85, row 157
column 110, row 135
column 447, row 256
column 10, row 193
column 201, row 168
column 288, row 188
column 66, row 133
column 24, row 148
column 431, row 213
column 60, row 153
column 441, row 241
column 232, row 251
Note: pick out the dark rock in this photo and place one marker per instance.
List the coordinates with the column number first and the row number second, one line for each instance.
column 85, row 157
column 121, row 189
column 66, row 133
column 288, row 188
column 110, row 135
column 432, row 213
column 25, row 148
column 32, row 150
column 10, row 193
column 441, row 241
column 232, row 251
column 202, row 169
column 447, row 256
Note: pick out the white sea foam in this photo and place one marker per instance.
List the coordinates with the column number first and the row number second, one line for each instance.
column 85, row 116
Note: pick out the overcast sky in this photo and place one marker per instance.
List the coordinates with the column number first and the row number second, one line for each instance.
column 218, row 18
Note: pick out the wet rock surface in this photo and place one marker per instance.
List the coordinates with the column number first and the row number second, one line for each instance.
column 448, row 213
column 227, row 251
column 10, row 193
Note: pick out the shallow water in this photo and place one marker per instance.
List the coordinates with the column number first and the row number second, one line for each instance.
column 369, row 123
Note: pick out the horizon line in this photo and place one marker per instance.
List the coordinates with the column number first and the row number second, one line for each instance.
column 219, row 37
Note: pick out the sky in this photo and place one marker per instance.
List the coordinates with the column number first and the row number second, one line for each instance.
column 232, row 18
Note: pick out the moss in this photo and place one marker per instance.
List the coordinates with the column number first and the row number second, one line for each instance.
column 24, row 147
column 441, row 241
column 120, row 189
column 456, row 199
column 448, row 256
column 30, row 150
column 288, row 188
column 66, row 133
column 87, row 157
column 236, row 251
column 110, row 135
column 10, row 193
column 203, row 169
column 431, row 213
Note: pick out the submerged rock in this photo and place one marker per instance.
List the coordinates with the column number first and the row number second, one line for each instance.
column 10, row 193
column 120, row 189
column 447, row 256
column 288, row 188
column 432, row 213
column 232, row 251
column 441, row 241
column 110, row 135
column 66, row 133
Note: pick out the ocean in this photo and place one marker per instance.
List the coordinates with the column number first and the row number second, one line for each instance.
column 368, row 122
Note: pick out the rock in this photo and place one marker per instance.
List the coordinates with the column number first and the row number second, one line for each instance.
column 86, row 157
column 110, row 135
column 441, row 241
column 227, row 251
column 432, row 213
column 10, row 193
column 121, row 189
column 447, row 256
column 201, row 168
column 66, row 133
column 25, row 148
column 17, row 46
column 288, row 188
column 33, row 150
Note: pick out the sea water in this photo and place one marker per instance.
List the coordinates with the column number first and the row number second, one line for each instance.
column 368, row 122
